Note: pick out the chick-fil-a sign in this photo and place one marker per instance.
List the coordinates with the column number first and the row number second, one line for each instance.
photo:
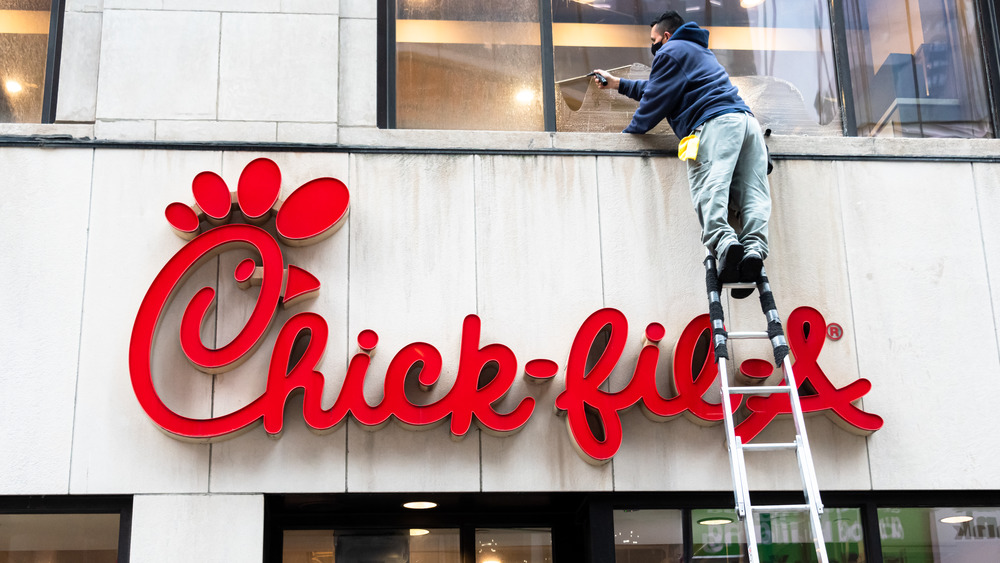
column 316, row 210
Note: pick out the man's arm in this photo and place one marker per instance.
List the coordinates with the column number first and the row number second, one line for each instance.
column 625, row 87
column 658, row 96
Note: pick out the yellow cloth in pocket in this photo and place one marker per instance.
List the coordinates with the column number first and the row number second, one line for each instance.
column 688, row 149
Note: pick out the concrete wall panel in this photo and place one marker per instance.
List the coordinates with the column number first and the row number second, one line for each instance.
column 300, row 460
column 279, row 67
column 116, row 447
column 412, row 279
column 167, row 528
column 987, row 178
column 538, row 278
column 159, row 65
column 919, row 285
column 44, row 245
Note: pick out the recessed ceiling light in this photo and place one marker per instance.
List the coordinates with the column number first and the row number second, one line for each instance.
column 419, row 505
column 419, row 532
column 715, row 521
column 956, row 519
column 750, row 3
column 13, row 86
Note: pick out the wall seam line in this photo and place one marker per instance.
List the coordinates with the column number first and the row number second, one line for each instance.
column 352, row 163
column 79, row 338
column 477, row 173
column 986, row 258
column 850, row 299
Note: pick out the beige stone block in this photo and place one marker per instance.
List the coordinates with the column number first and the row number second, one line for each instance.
column 240, row 131
column 358, row 9
column 440, row 139
column 261, row 82
column 315, row 133
column 131, row 130
column 310, row 6
column 223, row 5
column 918, row 283
column 358, row 72
column 84, row 5
column 81, row 55
column 51, row 130
column 158, row 65
column 44, row 245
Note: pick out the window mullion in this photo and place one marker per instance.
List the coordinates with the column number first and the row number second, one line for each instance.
column 548, row 67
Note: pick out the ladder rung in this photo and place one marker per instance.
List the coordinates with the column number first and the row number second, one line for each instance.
column 740, row 285
column 748, row 335
column 771, row 447
column 782, row 508
column 760, row 389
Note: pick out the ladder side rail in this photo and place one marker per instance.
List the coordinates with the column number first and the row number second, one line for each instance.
column 719, row 345
column 740, row 487
column 807, row 469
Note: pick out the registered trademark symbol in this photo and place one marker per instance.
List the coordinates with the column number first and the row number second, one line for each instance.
column 834, row 331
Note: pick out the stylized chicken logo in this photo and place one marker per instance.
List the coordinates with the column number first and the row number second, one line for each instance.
column 222, row 220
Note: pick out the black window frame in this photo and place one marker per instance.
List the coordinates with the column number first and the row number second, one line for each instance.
column 582, row 523
column 78, row 504
column 986, row 13
column 53, row 57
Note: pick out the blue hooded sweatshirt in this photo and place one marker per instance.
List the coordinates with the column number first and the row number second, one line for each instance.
column 687, row 86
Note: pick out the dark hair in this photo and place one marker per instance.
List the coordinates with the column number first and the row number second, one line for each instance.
column 668, row 21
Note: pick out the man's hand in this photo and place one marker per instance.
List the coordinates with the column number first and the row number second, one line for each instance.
column 612, row 81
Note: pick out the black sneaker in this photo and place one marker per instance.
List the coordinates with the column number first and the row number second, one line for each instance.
column 750, row 267
column 729, row 263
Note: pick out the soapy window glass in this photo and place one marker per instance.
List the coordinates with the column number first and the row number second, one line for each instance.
column 914, row 66
column 480, row 64
column 24, row 42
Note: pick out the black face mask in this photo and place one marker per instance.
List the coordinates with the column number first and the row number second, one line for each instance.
column 655, row 47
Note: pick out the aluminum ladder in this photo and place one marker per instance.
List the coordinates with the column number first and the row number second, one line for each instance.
column 741, row 489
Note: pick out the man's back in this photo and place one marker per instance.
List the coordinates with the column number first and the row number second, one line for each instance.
column 686, row 85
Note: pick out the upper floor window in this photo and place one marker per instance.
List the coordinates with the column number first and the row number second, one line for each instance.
column 906, row 67
column 27, row 60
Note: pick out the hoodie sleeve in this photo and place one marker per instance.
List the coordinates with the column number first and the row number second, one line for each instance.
column 659, row 94
column 631, row 88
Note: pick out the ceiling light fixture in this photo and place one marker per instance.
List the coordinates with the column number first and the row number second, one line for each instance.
column 419, row 505
column 956, row 519
column 750, row 3
column 419, row 532
column 715, row 521
column 13, row 86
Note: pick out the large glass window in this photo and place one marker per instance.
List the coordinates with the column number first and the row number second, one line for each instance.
column 911, row 67
column 778, row 53
column 62, row 538
column 654, row 536
column 939, row 535
column 648, row 536
column 917, row 68
column 24, row 46
column 468, row 64
column 416, row 545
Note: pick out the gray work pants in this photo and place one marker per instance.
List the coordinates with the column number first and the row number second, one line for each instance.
column 731, row 171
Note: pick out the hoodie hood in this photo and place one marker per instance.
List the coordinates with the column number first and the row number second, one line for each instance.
column 691, row 32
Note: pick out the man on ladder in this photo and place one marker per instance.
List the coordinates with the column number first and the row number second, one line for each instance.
column 720, row 140
column 726, row 163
